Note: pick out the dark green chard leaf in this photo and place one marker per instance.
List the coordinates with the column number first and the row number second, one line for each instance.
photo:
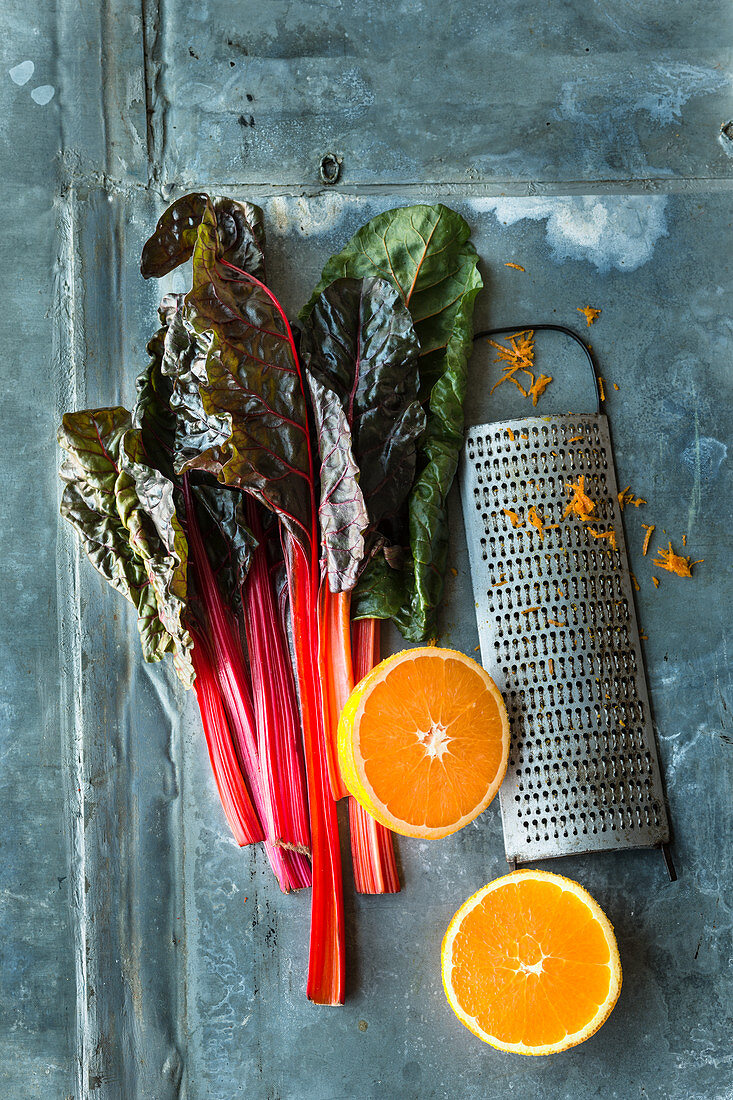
column 152, row 412
column 424, row 251
column 253, row 379
column 361, row 354
column 229, row 541
column 200, row 437
column 174, row 428
column 123, row 512
column 241, row 229
column 247, row 399
column 147, row 510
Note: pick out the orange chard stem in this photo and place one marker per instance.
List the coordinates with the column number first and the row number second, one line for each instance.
column 372, row 849
column 337, row 678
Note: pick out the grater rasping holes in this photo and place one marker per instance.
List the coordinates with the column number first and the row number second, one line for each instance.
column 583, row 772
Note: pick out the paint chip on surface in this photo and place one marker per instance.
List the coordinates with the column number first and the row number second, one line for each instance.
column 21, row 74
column 43, row 94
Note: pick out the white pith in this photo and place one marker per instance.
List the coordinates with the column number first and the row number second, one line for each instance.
column 434, row 740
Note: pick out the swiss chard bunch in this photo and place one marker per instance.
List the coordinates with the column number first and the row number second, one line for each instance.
column 425, row 255
column 208, row 508
column 386, row 338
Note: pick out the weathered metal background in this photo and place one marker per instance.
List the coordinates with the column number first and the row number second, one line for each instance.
column 143, row 955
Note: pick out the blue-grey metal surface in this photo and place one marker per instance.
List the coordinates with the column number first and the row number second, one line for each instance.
column 143, row 955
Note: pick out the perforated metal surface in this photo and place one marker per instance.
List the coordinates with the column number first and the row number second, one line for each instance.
column 559, row 635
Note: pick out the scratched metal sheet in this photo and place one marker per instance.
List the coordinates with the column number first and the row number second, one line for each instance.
column 143, row 955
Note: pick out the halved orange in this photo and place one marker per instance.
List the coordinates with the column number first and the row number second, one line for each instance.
column 530, row 963
column 423, row 741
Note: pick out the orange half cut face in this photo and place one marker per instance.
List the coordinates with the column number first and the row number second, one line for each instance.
column 530, row 963
column 424, row 742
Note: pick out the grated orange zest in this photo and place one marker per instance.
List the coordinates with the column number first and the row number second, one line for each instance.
column 581, row 504
column 627, row 497
column 539, row 386
column 516, row 520
column 675, row 563
column 536, row 520
column 610, row 535
column 648, row 527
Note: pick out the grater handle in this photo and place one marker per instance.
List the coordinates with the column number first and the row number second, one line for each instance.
column 549, row 328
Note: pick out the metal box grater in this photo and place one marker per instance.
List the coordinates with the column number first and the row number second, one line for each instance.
column 558, row 634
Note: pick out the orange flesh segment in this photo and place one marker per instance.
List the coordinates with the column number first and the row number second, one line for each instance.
column 431, row 736
column 531, row 964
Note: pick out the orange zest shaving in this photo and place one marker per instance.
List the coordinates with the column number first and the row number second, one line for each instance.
column 635, row 583
column 589, row 313
column 644, row 637
column 684, row 540
column 675, row 563
column 601, row 391
column 627, row 497
column 520, row 353
column 649, row 527
column 539, row 386
column 524, row 435
column 510, row 433
column 581, row 504
column 610, row 535
column 519, row 356
column 536, row 520
column 551, row 667
column 575, row 439
column 655, row 582
column 517, row 267
column 555, row 622
column 476, row 648
column 529, row 610
column 514, row 517
column 616, row 386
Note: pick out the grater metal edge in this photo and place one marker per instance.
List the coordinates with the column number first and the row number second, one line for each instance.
column 561, row 640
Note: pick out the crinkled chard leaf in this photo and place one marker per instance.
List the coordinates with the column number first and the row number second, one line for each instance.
column 146, row 506
column 342, row 512
column 426, row 254
column 152, row 412
column 123, row 511
column 200, row 437
column 252, row 382
column 241, row 230
column 361, row 353
column 175, row 429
